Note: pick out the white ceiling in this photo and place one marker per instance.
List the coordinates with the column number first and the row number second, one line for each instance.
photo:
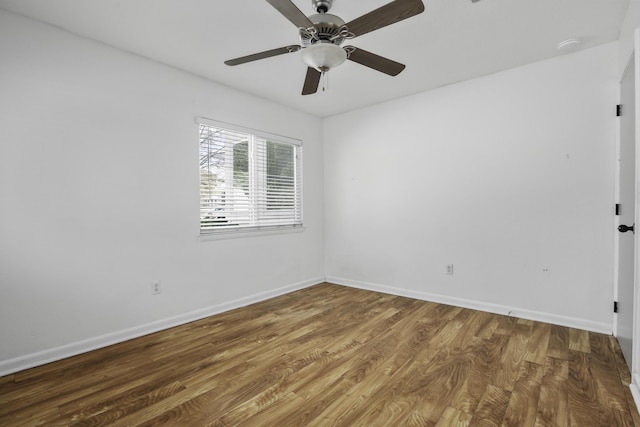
column 453, row 40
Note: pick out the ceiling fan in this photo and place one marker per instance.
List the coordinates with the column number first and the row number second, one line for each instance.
column 321, row 36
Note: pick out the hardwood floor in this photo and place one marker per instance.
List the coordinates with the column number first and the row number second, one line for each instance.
column 331, row 355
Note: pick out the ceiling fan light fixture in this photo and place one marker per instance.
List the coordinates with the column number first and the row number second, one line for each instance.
column 323, row 56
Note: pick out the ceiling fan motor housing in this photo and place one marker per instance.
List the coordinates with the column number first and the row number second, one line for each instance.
column 327, row 27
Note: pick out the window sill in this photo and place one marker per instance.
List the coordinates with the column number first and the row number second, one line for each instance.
column 239, row 233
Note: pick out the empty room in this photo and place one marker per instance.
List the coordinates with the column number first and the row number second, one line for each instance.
column 315, row 212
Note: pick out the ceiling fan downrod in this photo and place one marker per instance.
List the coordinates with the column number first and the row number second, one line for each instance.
column 321, row 6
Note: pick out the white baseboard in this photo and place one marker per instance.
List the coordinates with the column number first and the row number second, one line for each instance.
column 58, row 353
column 555, row 319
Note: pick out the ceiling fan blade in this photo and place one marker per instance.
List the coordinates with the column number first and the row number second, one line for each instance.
column 291, row 12
column 311, row 82
column 376, row 62
column 388, row 14
column 263, row 55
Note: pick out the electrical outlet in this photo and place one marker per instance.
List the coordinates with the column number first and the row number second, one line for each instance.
column 450, row 269
column 155, row 287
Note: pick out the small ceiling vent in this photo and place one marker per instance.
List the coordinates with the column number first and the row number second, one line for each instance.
column 569, row 44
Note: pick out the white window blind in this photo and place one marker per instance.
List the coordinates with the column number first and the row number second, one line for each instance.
column 248, row 179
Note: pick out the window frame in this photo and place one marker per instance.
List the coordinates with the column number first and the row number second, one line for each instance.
column 297, row 223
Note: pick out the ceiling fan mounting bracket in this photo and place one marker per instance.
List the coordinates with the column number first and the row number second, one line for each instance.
column 322, row 6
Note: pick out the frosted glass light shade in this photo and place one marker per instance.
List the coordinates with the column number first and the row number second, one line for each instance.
column 323, row 56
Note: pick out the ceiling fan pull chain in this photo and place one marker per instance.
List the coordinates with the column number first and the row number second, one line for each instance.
column 325, row 81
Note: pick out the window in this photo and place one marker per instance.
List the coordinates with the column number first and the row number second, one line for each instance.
column 249, row 180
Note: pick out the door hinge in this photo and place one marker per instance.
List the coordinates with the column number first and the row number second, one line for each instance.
column 615, row 306
column 618, row 110
column 618, row 209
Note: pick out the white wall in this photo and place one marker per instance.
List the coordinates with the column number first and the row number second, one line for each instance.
column 99, row 196
column 506, row 177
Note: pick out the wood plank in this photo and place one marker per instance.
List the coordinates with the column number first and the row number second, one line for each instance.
column 612, row 417
column 538, row 344
column 553, row 401
column 579, row 340
column 621, row 364
column 632, row 406
column 558, row 346
column 605, row 372
column 483, row 366
column 492, row 407
column 506, row 325
column 451, row 417
column 436, row 332
column 505, row 376
column 523, row 404
column 583, row 403
column 487, row 326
